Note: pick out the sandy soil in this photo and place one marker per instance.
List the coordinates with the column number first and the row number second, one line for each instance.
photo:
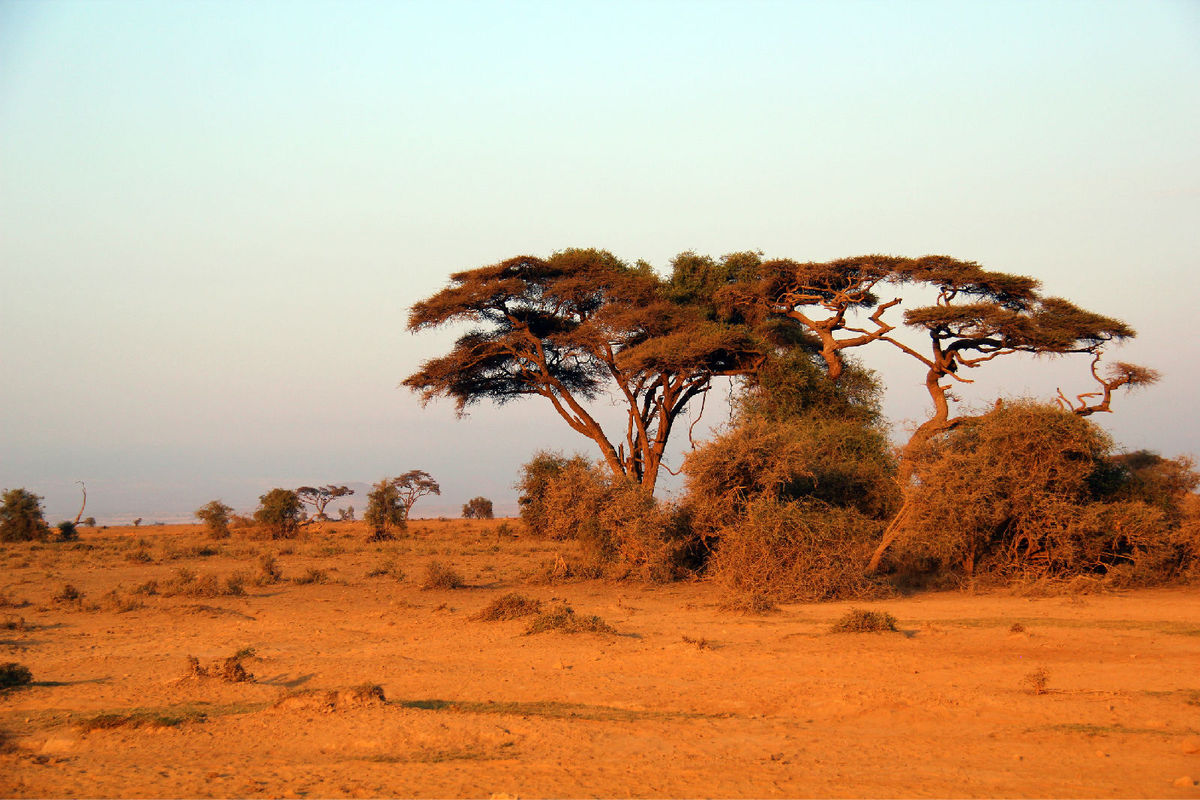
column 684, row 700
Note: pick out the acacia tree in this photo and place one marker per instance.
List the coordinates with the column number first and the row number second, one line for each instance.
column 320, row 496
column 977, row 316
column 579, row 324
column 412, row 486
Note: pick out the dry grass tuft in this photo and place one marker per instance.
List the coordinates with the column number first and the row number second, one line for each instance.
column 859, row 620
column 189, row 584
column 230, row 670
column 509, row 606
column 139, row 719
column 366, row 694
column 562, row 618
column 311, row 575
column 441, row 576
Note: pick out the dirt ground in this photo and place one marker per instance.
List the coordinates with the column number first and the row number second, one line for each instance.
column 682, row 700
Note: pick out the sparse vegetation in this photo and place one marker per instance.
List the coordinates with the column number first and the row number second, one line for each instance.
column 310, row 576
column 230, row 670
column 321, row 496
column 858, row 620
column 13, row 674
column 441, row 576
column 187, row 583
column 67, row 531
column 1036, row 681
column 563, row 619
column 509, row 606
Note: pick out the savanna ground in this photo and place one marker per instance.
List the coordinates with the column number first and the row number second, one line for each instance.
column 683, row 699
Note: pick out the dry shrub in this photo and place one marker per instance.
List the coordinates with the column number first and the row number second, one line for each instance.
column 14, row 674
column 624, row 533
column 187, row 583
column 367, row 694
column 1035, row 682
column 859, row 620
column 268, row 570
column 562, row 618
column 388, row 568
column 1029, row 492
column 230, row 670
column 509, row 606
column 311, row 575
column 792, row 508
column 441, row 576
column 69, row 596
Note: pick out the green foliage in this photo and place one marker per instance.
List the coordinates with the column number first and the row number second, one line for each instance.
column 215, row 516
column 478, row 508
column 279, row 513
column 21, row 518
column 386, row 513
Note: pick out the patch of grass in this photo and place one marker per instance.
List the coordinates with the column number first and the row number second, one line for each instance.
column 116, row 600
column 14, row 674
column 550, row 709
column 68, row 595
column 441, row 576
column 751, row 603
column 700, row 643
column 140, row 719
column 1017, row 628
column 13, row 622
column 860, row 620
column 139, row 556
column 509, row 606
column 388, row 568
column 562, row 618
column 311, row 575
column 8, row 601
column 1104, row 730
column 189, row 584
column 268, row 570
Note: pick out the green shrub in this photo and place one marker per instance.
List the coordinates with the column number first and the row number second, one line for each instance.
column 21, row 517
column 478, row 508
column 386, row 514
column 215, row 516
column 279, row 513
column 67, row 532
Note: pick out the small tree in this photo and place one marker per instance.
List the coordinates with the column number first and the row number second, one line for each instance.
column 215, row 516
column 279, row 513
column 412, row 486
column 89, row 522
column 346, row 514
column 21, row 518
column 386, row 511
column 478, row 508
column 320, row 496
column 67, row 531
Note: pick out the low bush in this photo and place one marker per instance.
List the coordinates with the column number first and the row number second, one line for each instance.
column 215, row 516
column 21, row 517
column 230, row 670
column 478, row 508
column 441, row 576
column 509, row 606
column 14, row 674
column 279, row 513
column 563, row 619
column 858, row 620
column 189, row 584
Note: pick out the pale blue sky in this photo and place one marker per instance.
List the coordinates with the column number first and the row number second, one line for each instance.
column 214, row 215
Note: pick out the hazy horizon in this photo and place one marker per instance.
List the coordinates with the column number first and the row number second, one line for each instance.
column 214, row 217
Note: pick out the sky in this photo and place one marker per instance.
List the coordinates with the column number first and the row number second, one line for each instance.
column 214, row 216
